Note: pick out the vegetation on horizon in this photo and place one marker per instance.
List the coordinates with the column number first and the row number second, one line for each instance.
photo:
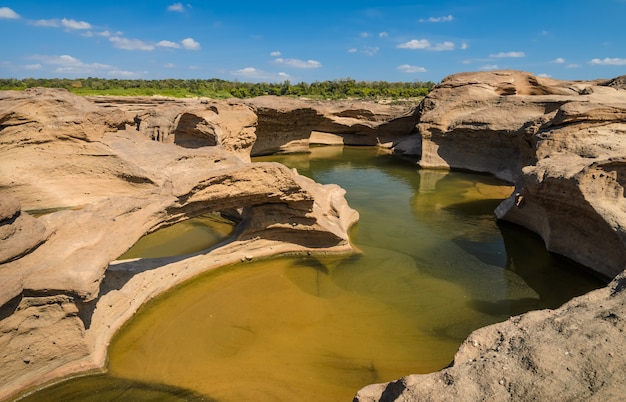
column 221, row 89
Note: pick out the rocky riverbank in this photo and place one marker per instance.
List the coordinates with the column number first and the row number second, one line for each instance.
column 107, row 170
column 562, row 144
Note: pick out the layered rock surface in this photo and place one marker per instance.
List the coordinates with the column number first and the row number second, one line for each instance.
column 102, row 179
column 562, row 144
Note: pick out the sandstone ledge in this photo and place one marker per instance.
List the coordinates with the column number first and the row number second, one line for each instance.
column 114, row 170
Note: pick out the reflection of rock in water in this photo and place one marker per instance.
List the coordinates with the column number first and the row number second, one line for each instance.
column 114, row 389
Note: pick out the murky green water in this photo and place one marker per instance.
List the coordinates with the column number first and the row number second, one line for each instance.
column 435, row 266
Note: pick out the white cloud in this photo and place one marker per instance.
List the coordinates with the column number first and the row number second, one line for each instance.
column 275, row 53
column 365, row 35
column 559, row 60
column 383, row 35
column 130, row 44
column 73, row 24
column 544, row 75
column 353, row 50
column 69, row 65
column 425, row 44
column 251, row 73
column 573, row 65
column 123, row 73
column 167, row 43
column 33, row 66
column 169, row 65
column 443, row 46
column 609, row 61
column 370, row 50
column 7, row 13
column 507, row 54
column 407, row 68
column 178, row 7
column 62, row 23
column 415, row 44
column 47, row 23
column 446, row 18
column 490, row 67
column 190, row 44
column 464, row 46
column 296, row 63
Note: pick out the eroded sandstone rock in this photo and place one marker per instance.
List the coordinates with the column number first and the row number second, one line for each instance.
column 573, row 353
column 107, row 184
column 286, row 125
column 561, row 143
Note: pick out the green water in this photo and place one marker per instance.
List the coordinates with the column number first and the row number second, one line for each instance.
column 434, row 266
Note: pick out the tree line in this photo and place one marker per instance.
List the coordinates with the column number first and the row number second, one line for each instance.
column 221, row 89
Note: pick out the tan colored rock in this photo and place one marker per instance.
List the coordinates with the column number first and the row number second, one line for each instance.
column 286, row 125
column 61, row 298
column 574, row 353
column 20, row 233
column 561, row 143
column 557, row 140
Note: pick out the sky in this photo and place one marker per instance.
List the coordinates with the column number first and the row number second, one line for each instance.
column 308, row 41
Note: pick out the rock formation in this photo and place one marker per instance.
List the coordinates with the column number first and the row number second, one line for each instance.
column 558, row 141
column 574, row 353
column 561, row 143
column 104, row 180
column 290, row 125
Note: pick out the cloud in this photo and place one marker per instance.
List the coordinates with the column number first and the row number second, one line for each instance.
column 426, row 45
column 383, row 35
column 178, row 7
column 353, row 50
column 464, row 46
column 558, row 60
column 443, row 46
column 415, row 44
column 169, row 65
column 446, row 18
column 507, row 54
column 130, row 44
column 62, row 23
column 7, row 13
column 47, row 23
column 296, row 63
column 73, row 24
column 167, row 43
column 365, row 35
column 37, row 66
column 407, row 68
column 190, row 44
column 370, row 50
column 275, row 53
column 573, row 65
column 490, row 67
column 123, row 73
column 609, row 61
column 251, row 73
column 66, row 64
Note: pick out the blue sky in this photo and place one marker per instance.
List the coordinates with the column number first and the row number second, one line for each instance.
column 274, row 41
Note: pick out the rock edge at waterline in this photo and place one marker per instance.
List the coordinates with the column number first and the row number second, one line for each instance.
column 562, row 144
column 107, row 172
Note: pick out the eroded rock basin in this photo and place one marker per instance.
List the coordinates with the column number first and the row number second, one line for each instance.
column 434, row 267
